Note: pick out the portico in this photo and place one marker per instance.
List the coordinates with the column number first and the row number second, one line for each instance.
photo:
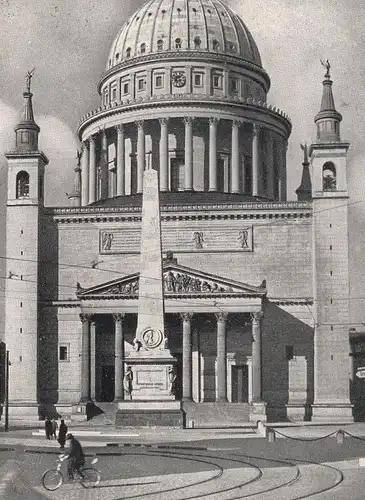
column 213, row 329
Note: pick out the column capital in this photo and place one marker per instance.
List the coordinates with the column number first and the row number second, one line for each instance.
column 140, row 124
column 213, row 121
column 85, row 145
column 256, row 317
column 118, row 318
column 163, row 121
column 85, row 318
column 186, row 316
column 120, row 128
column 188, row 120
column 92, row 139
column 221, row 317
column 237, row 123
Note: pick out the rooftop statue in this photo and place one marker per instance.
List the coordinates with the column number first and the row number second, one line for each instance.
column 326, row 64
column 304, row 148
column 28, row 79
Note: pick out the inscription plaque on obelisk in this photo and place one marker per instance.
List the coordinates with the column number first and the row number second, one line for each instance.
column 152, row 398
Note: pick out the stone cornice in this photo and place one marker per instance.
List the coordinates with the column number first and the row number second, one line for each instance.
column 290, row 210
column 192, row 56
column 297, row 301
column 27, row 154
column 179, row 100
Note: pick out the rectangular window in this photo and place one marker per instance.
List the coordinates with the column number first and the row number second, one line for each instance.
column 24, row 137
column 217, row 81
column 114, row 93
column 198, row 80
column 126, row 88
column 141, row 84
column 234, row 85
column 289, row 352
column 64, row 352
column 177, row 174
column 159, row 81
column 106, row 97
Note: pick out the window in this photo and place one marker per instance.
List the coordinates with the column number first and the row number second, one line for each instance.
column 197, row 42
column 117, row 56
column 141, row 84
column 24, row 137
column 126, row 88
column 128, row 52
column 114, row 93
column 234, row 85
column 217, row 81
column 22, row 185
column 198, row 80
column 159, row 45
column 106, row 97
column 143, row 48
column 289, row 352
column 178, row 43
column 63, row 354
column 216, row 45
column 159, row 81
column 177, row 174
column 329, row 177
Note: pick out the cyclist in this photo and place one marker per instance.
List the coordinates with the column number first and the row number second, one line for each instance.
column 76, row 458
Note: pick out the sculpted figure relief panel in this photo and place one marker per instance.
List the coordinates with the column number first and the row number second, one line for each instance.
column 174, row 282
column 180, row 239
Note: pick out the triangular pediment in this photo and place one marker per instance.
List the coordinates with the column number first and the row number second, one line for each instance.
column 178, row 281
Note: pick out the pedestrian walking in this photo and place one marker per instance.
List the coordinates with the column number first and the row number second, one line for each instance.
column 62, row 434
column 54, row 429
column 48, row 428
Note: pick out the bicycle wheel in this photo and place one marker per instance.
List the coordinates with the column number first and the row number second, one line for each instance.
column 52, row 479
column 90, row 477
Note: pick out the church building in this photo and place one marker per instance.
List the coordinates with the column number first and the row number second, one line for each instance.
column 256, row 287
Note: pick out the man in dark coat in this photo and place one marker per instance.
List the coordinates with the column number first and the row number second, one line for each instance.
column 75, row 457
column 48, row 428
column 62, row 434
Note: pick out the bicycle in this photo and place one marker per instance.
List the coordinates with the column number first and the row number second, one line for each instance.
column 89, row 477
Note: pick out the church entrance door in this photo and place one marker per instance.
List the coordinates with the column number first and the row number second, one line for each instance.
column 107, row 384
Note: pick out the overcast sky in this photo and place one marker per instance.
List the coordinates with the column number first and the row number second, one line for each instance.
column 67, row 41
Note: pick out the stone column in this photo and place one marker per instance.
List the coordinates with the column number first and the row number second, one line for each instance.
column 141, row 155
column 92, row 170
column 120, row 152
column 92, row 359
column 255, row 159
column 235, row 157
column 103, row 165
column 187, row 393
column 221, row 357
column 85, row 395
column 85, row 174
column 164, row 155
column 188, row 153
column 213, row 123
column 256, row 357
column 270, row 167
column 119, row 357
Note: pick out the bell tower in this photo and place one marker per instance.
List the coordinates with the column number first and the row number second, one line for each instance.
column 330, row 263
column 23, row 209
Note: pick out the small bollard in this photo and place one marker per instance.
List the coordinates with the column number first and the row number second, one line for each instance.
column 340, row 436
column 271, row 435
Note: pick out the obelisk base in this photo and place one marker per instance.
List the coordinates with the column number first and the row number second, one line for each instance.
column 149, row 414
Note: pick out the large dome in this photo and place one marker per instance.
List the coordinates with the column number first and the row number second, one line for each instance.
column 184, row 25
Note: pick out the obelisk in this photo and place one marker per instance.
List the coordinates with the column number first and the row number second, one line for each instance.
column 151, row 298
column 152, row 402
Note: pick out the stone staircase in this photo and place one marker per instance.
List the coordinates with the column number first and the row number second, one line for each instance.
column 204, row 415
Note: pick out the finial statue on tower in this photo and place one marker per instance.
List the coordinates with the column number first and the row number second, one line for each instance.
column 28, row 79
column 326, row 64
column 304, row 148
